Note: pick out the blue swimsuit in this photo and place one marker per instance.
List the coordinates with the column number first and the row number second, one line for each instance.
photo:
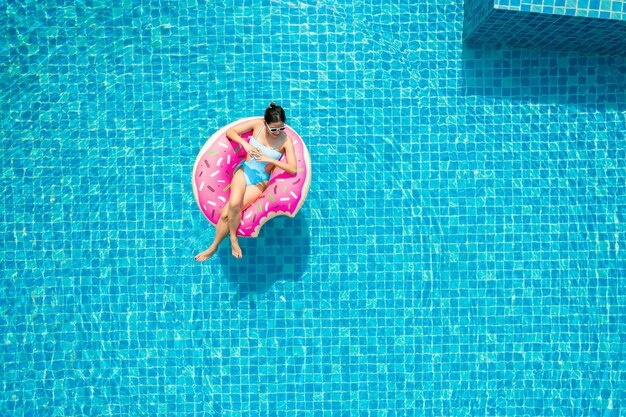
column 254, row 170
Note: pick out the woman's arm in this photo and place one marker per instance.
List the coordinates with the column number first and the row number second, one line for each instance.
column 234, row 133
column 291, row 165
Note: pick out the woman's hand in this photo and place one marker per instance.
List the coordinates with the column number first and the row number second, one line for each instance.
column 252, row 151
column 264, row 158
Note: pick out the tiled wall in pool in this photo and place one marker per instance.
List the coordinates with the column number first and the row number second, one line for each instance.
column 604, row 9
column 585, row 25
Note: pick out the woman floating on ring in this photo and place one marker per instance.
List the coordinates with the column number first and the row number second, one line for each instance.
column 251, row 177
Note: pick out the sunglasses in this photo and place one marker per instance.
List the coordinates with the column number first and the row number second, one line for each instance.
column 275, row 129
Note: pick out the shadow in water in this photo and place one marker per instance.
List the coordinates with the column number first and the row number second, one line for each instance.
column 281, row 252
column 547, row 77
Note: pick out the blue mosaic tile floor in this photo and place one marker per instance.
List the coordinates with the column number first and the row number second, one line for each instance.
column 461, row 251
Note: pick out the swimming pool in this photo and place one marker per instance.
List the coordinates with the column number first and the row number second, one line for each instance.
column 460, row 253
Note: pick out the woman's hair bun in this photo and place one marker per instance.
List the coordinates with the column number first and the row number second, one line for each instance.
column 274, row 114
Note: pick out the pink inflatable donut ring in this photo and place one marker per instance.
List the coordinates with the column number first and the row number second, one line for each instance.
column 213, row 171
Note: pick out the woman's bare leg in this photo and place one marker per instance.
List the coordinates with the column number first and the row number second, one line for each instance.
column 221, row 231
column 237, row 193
column 250, row 195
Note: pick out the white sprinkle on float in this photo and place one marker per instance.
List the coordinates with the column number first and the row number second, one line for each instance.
column 201, row 185
column 211, row 203
column 221, row 198
column 214, row 174
column 219, row 162
column 223, row 145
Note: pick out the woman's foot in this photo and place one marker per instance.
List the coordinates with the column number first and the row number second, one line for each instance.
column 203, row 256
column 236, row 249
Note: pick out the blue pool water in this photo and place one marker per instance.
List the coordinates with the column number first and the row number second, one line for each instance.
column 461, row 251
